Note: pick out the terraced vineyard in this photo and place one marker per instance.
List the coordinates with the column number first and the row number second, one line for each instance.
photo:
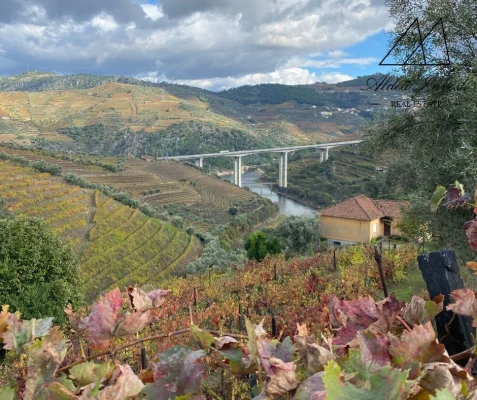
column 203, row 200
column 37, row 194
column 116, row 244
column 127, row 247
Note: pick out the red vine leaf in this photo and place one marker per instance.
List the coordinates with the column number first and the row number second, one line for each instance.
column 470, row 228
column 354, row 316
column 312, row 388
column 415, row 347
column 279, row 351
column 103, row 320
column 455, row 197
column 178, row 372
column 374, row 348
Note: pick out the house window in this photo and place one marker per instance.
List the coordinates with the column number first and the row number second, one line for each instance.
column 337, row 244
column 375, row 228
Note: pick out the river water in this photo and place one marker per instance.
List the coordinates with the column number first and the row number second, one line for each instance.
column 287, row 206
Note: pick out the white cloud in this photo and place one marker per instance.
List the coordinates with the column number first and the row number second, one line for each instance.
column 104, row 22
column 334, row 77
column 286, row 76
column 152, row 11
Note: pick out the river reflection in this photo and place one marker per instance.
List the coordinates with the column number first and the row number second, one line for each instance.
column 287, row 206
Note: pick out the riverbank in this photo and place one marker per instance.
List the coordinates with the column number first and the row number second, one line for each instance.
column 287, row 205
column 293, row 197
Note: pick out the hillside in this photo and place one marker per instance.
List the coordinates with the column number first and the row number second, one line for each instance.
column 103, row 232
column 115, row 115
column 347, row 173
column 202, row 200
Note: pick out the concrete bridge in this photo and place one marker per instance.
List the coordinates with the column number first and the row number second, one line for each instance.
column 282, row 179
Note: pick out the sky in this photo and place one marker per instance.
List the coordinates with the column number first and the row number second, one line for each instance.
column 213, row 44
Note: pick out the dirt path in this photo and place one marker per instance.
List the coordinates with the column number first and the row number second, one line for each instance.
column 91, row 223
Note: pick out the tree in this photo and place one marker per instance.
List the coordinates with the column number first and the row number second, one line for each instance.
column 258, row 245
column 299, row 233
column 436, row 143
column 38, row 272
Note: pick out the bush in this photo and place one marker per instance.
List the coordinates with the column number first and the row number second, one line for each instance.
column 177, row 221
column 38, row 272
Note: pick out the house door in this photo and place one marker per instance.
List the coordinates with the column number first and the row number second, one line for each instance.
column 387, row 229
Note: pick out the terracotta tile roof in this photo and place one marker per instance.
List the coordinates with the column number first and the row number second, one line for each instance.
column 364, row 208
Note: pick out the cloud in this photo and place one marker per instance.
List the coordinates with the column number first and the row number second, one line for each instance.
column 213, row 42
column 286, row 76
column 334, row 77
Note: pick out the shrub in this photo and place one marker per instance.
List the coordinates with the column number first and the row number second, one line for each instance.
column 38, row 272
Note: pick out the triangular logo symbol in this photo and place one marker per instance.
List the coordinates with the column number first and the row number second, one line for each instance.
column 425, row 52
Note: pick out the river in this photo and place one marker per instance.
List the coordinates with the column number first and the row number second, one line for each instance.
column 287, row 206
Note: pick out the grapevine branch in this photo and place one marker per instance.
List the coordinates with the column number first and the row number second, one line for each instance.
column 145, row 339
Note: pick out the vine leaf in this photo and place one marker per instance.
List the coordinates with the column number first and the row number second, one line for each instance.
column 142, row 301
column 44, row 358
column 313, row 355
column 22, row 333
column 437, row 198
column 122, row 385
column 419, row 311
column 456, row 197
column 132, row 323
column 442, row 375
column 57, row 391
column 312, row 388
column 4, row 315
column 279, row 351
column 103, row 319
column 386, row 383
column 443, row 394
column 416, row 347
column 178, row 372
column 205, row 338
column 470, row 228
column 90, row 372
column 374, row 348
column 465, row 303
column 7, row 393
column 360, row 314
column 282, row 379
column 72, row 317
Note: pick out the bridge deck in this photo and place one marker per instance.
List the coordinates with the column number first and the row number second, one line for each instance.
column 244, row 153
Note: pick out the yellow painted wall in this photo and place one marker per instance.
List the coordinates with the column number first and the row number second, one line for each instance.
column 353, row 230
column 350, row 230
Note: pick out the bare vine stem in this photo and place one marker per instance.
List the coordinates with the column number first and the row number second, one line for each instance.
column 142, row 340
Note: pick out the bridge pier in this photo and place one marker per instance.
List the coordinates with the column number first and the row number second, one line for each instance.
column 326, row 153
column 322, row 155
column 282, row 172
column 199, row 162
column 238, row 171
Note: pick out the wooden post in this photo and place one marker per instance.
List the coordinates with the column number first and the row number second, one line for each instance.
column 378, row 258
column 334, row 258
column 143, row 358
column 441, row 273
